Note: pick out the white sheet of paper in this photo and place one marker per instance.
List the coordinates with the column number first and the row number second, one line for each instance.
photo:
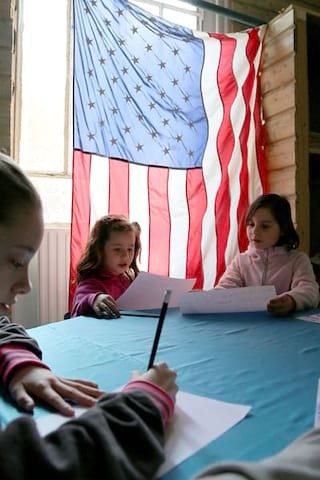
column 197, row 421
column 315, row 318
column 147, row 291
column 224, row 300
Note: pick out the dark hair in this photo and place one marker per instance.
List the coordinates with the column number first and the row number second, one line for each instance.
column 16, row 190
column 281, row 211
column 91, row 261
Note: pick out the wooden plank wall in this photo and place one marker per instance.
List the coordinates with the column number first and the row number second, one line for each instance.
column 278, row 103
column 5, row 75
column 266, row 10
column 284, row 90
column 284, row 86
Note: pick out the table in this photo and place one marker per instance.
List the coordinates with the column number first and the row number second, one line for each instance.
column 249, row 358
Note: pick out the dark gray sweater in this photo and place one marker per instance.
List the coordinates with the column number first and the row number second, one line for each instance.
column 121, row 438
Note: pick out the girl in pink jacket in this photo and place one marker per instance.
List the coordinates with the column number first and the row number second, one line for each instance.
column 272, row 258
column 107, row 267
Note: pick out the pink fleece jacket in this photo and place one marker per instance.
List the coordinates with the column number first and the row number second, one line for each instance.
column 88, row 289
column 289, row 271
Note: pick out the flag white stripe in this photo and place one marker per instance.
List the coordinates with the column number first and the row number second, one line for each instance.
column 99, row 188
column 240, row 67
column 211, row 165
column 179, row 216
column 139, row 206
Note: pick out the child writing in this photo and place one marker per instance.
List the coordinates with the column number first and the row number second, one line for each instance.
column 122, row 435
column 272, row 258
column 108, row 266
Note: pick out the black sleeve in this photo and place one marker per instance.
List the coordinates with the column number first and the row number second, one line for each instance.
column 14, row 334
column 121, row 438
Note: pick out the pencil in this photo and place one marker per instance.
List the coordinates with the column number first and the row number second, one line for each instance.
column 167, row 295
column 126, row 313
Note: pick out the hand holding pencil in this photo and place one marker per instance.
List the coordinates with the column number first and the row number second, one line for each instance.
column 161, row 375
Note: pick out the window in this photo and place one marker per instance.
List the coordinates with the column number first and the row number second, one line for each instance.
column 41, row 126
column 189, row 16
column 43, row 130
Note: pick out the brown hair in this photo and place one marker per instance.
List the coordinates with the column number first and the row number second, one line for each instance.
column 281, row 210
column 16, row 190
column 91, row 261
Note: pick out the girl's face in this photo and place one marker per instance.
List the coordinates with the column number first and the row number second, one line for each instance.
column 119, row 251
column 263, row 231
column 18, row 244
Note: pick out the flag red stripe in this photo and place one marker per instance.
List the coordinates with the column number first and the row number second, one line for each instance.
column 197, row 205
column 159, row 223
column 80, row 216
column 118, row 187
column 260, row 140
column 225, row 146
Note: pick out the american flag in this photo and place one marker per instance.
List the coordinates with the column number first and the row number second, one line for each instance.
column 167, row 130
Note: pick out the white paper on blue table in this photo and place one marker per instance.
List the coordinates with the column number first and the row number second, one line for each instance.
column 147, row 290
column 227, row 300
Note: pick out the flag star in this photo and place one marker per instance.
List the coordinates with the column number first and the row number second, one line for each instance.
column 186, row 98
column 107, row 22
column 161, row 34
column 166, row 150
column 149, row 77
column 102, row 61
column 176, row 110
column 178, row 138
column 91, row 136
column 90, row 72
column 190, row 153
column 165, row 122
column 114, row 79
column 162, row 94
column 120, row 12
column 91, row 104
column 89, row 41
column 175, row 51
column 140, row 117
column 162, row 65
column 151, row 105
column 187, row 68
column 139, row 147
column 102, row 91
column 111, row 52
column 148, row 47
column 124, row 70
column 127, row 98
column 121, row 42
column 134, row 30
column 154, row 134
column 137, row 88
column 86, row 10
column 114, row 141
column 114, row 110
column 190, row 124
column 126, row 129
column 94, row 3
column 175, row 82
column 101, row 123
column 135, row 60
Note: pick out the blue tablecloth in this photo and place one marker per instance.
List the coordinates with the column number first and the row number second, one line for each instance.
column 248, row 358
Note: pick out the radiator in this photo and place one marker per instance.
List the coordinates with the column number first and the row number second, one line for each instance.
column 53, row 275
